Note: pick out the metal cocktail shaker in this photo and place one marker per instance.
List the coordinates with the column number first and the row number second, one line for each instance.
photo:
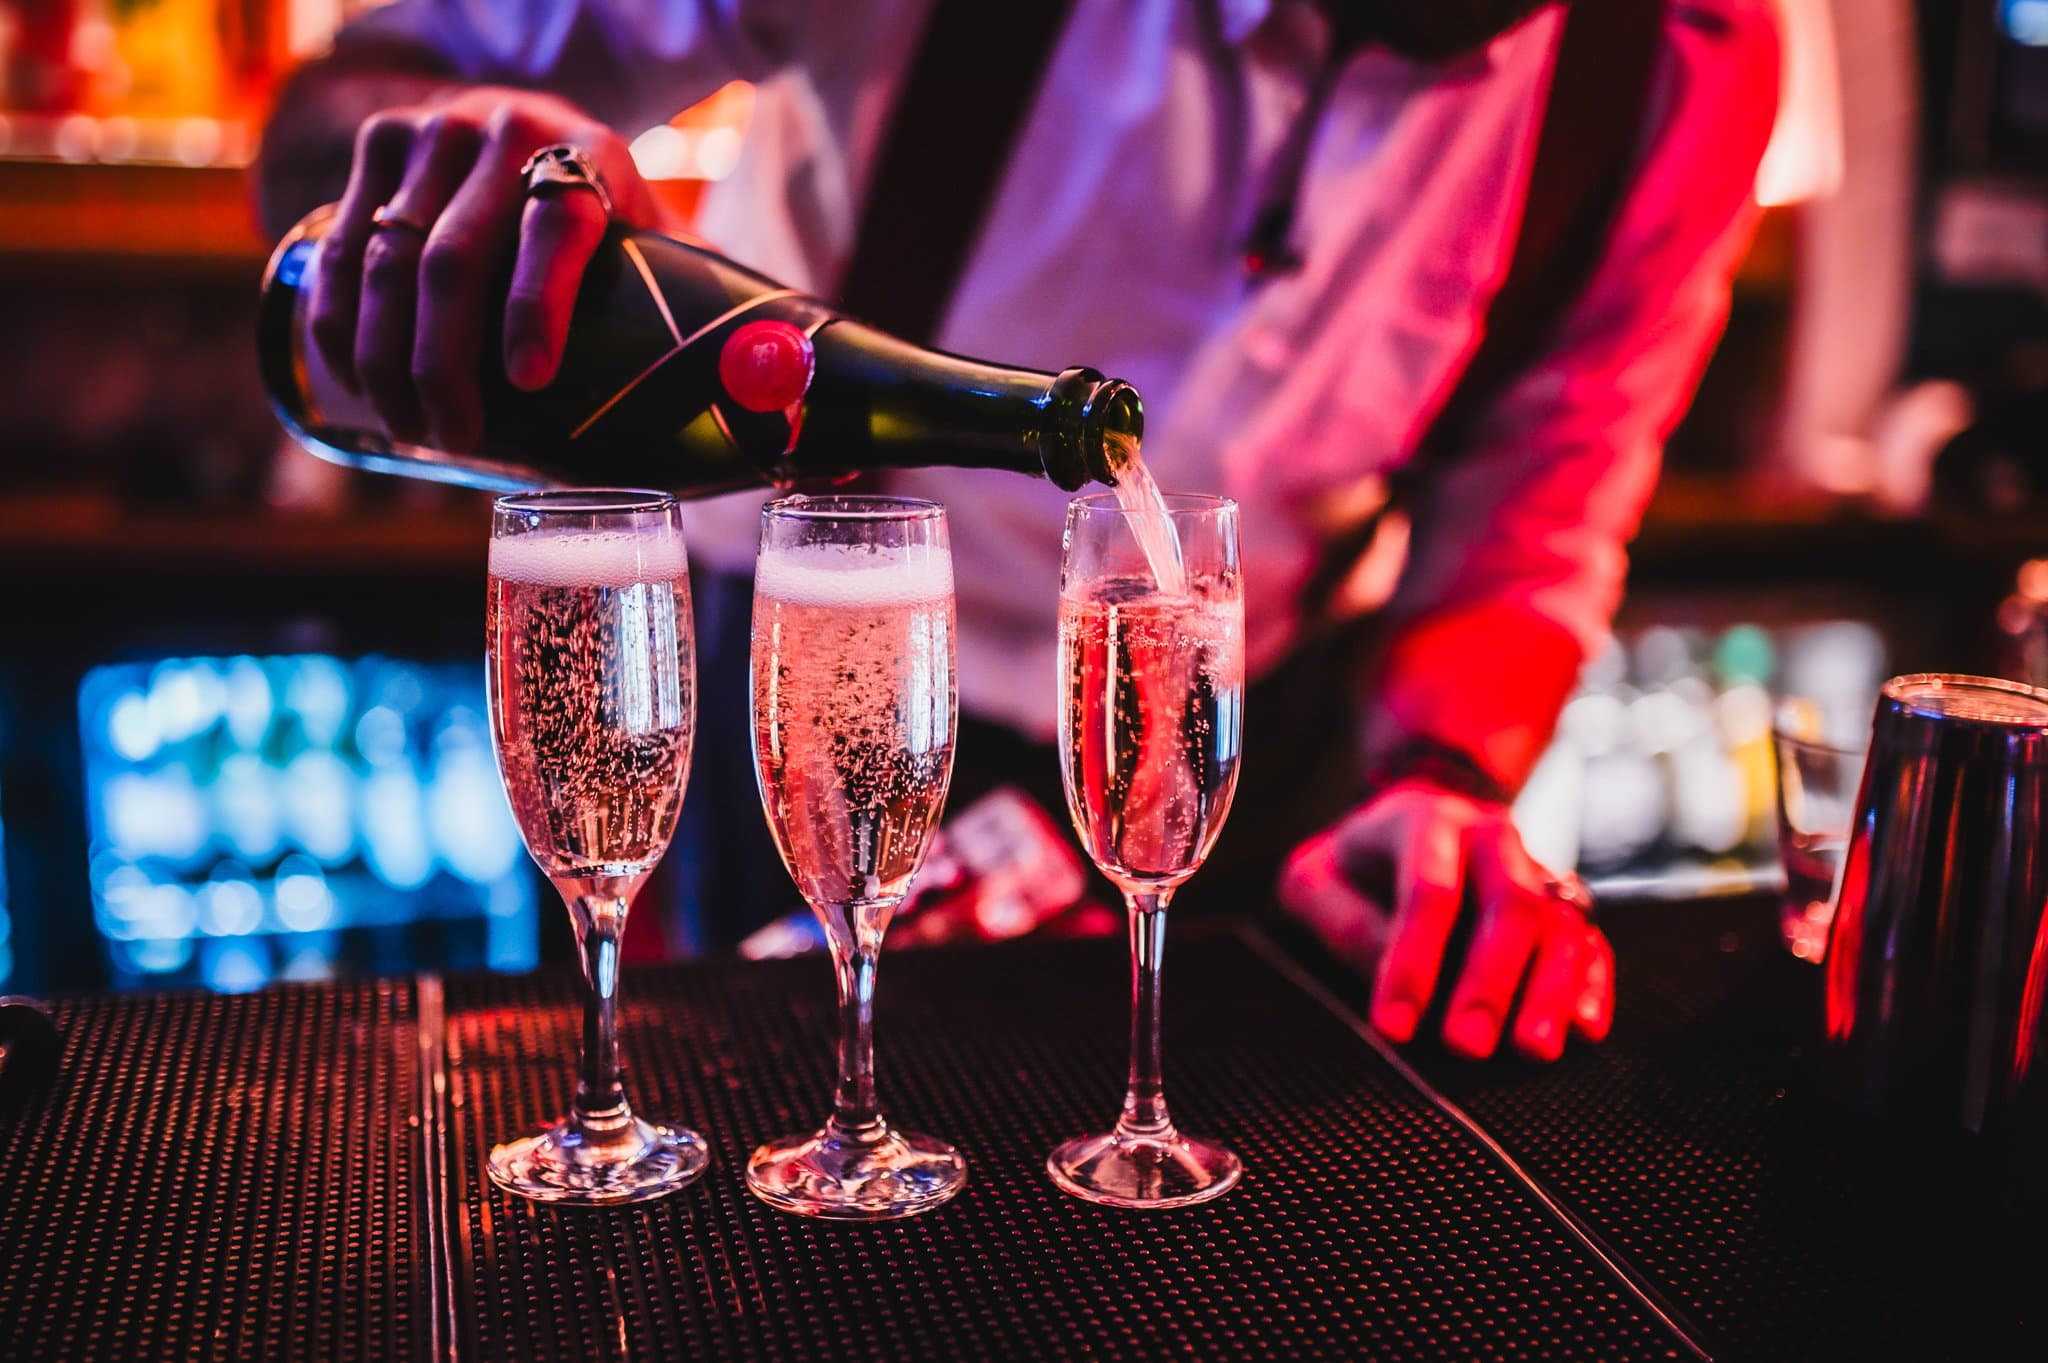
column 1937, row 959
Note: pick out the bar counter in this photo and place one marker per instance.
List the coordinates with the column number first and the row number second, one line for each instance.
column 297, row 1174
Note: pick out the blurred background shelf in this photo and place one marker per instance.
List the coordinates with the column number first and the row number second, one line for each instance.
column 167, row 215
column 1698, row 531
column 97, row 535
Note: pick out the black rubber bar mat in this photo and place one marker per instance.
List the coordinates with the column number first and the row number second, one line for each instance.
column 220, row 1178
column 1695, row 1146
column 1368, row 1224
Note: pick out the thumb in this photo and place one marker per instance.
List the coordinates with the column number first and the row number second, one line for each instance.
column 1315, row 890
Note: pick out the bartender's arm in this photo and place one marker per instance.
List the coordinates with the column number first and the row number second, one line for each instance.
column 1518, row 565
column 426, row 110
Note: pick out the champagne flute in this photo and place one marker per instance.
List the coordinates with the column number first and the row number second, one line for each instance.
column 1151, row 724
column 593, row 708
column 853, row 749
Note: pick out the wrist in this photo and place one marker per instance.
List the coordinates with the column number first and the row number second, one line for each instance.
column 1485, row 681
column 1432, row 762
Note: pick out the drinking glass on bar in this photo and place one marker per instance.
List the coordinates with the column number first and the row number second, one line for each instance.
column 854, row 704
column 1151, row 724
column 1816, row 806
column 592, row 674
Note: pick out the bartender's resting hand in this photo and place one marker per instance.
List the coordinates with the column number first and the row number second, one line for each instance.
column 1535, row 971
column 402, row 315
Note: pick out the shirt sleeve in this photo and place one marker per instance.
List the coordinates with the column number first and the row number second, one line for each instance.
column 1524, row 532
column 632, row 63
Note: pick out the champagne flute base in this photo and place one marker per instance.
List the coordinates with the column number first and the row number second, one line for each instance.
column 560, row 1165
column 825, row 1175
column 1144, row 1172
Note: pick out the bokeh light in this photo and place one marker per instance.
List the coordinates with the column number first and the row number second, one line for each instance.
column 261, row 819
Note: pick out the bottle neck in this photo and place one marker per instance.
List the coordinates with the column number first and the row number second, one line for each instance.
column 880, row 402
column 1101, row 420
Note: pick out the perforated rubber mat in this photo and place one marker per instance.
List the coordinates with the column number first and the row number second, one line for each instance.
column 1697, row 1147
column 273, row 1177
column 219, row 1178
column 1368, row 1225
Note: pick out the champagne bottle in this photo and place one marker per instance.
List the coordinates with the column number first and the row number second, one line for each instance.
column 688, row 372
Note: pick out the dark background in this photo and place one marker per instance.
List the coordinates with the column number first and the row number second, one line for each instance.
column 150, row 508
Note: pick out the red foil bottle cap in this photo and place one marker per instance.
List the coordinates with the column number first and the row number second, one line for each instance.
column 766, row 366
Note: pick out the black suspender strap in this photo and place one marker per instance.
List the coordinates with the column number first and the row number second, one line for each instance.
column 951, row 135
column 1585, row 161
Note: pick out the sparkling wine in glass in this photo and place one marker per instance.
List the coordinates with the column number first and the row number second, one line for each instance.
column 853, row 711
column 1151, row 726
column 593, row 707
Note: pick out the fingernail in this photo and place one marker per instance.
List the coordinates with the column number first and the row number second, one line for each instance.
column 1541, row 1039
column 1589, row 1009
column 1394, row 1019
column 529, row 362
column 1472, row 1031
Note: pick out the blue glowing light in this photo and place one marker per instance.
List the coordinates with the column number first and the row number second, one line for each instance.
column 2025, row 21
column 260, row 819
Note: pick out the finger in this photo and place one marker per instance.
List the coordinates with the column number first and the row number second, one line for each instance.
column 462, row 261
column 1593, row 1015
column 1428, row 889
column 382, row 145
column 443, row 150
column 1314, row 888
column 1366, row 863
column 1556, row 981
column 1511, row 913
column 558, row 235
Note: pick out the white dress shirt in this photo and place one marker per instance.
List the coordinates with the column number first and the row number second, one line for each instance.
column 1114, row 239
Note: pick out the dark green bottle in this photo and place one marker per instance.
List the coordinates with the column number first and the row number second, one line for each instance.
column 687, row 372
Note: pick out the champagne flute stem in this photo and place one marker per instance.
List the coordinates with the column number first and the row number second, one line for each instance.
column 600, row 1091
column 1145, row 1116
column 856, row 1113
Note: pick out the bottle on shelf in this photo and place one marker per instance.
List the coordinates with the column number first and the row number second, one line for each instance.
column 688, row 372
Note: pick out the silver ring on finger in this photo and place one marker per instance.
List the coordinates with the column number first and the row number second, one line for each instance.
column 385, row 218
column 1569, row 890
column 560, row 168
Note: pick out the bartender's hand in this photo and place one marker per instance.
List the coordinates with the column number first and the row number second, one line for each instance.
column 1383, row 888
column 401, row 312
